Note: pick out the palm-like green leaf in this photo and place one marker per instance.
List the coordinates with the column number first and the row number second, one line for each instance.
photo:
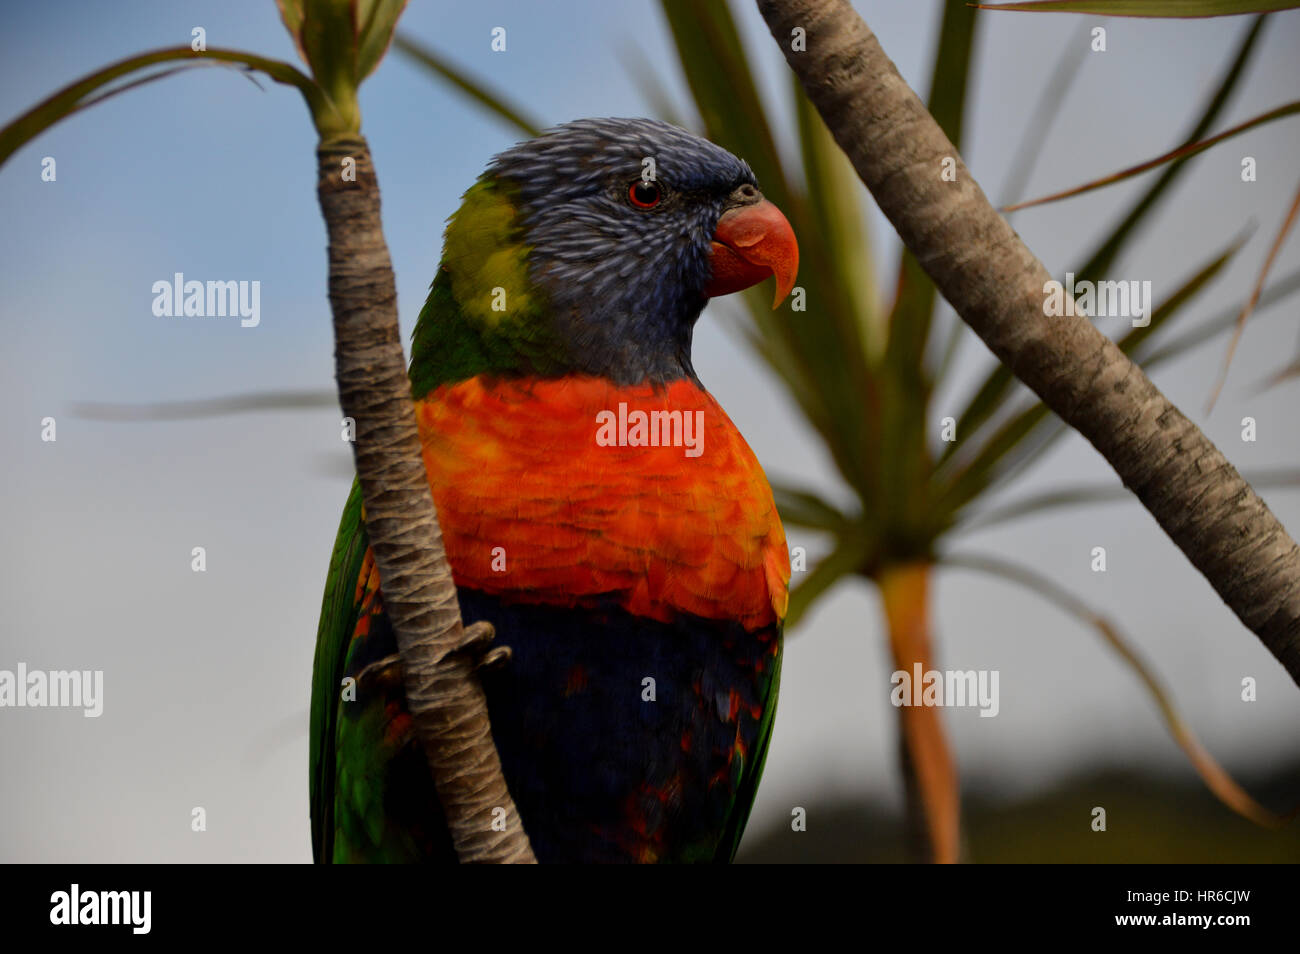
column 1288, row 224
column 717, row 71
column 1178, row 9
column 248, row 403
column 913, row 310
column 1182, row 152
column 804, row 508
column 904, row 457
column 1081, row 496
column 375, row 22
column 652, row 87
column 342, row 41
column 496, row 103
column 111, row 80
column 1035, row 134
column 1292, row 370
column 832, row 186
column 1207, row 330
column 849, row 557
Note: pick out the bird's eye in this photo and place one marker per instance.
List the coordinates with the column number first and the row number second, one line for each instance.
column 644, row 195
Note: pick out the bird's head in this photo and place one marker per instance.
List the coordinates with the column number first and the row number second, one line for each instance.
column 592, row 249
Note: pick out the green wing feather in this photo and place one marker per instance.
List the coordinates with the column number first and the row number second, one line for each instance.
column 372, row 798
column 753, row 770
column 337, row 622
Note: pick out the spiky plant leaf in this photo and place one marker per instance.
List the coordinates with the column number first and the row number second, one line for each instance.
column 98, row 86
column 1179, row 9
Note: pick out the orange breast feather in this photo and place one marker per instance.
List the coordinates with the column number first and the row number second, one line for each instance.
column 544, row 496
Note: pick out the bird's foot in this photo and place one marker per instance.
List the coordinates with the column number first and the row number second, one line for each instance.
column 475, row 641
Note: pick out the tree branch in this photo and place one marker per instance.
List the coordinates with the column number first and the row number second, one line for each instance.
column 443, row 693
column 996, row 284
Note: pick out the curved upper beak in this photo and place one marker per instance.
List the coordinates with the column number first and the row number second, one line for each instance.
column 750, row 243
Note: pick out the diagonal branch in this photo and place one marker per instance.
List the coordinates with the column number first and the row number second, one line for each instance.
column 997, row 286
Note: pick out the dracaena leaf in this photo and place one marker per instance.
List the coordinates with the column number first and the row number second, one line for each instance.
column 1182, row 152
column 1218, row 781
column 323, row 33
column 803, row 508
column 846, row 558
column 495, row 102
column 1173, row 9
column 376, row 21
column 342, row 41
column 112, row 79
column 1258, row 288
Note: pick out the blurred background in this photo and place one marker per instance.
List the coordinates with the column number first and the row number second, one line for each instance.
column 207, row 676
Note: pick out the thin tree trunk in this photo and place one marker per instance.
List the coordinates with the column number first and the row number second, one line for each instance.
column 443, row 692
column 933, row 796
column 996, row 284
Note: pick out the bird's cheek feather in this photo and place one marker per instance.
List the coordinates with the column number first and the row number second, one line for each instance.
column 750, row 243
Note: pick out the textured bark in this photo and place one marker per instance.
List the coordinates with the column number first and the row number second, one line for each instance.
column 443, row 692
column 933, row 795
column 995, row 284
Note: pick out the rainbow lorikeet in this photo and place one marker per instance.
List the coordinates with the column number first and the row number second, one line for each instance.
column 599, row 509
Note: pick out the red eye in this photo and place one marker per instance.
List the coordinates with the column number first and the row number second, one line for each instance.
column 643, row 194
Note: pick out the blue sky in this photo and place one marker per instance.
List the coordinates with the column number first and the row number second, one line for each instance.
column 207, row 676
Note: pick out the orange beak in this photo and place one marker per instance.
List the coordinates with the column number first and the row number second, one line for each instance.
column 752, row 242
